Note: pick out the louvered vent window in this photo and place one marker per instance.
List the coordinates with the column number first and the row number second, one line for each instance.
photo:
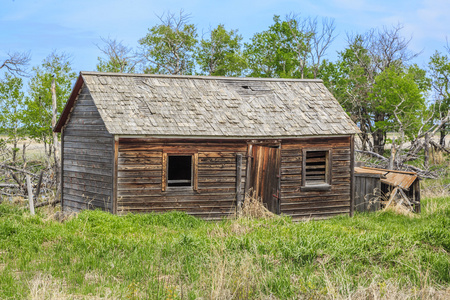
column 316, row 168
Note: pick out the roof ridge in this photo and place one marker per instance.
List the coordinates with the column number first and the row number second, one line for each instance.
column 197, row 77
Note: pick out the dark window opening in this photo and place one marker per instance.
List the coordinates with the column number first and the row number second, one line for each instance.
column 316, row 167
column 179, row 171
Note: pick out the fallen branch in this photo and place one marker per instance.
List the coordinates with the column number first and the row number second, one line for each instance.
column 9, row 185
column 422, row 173
column 18, row 170
column 53, row 202
column 437, row 146
column 372, row 154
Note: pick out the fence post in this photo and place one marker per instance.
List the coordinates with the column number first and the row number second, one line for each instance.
column 30, row 195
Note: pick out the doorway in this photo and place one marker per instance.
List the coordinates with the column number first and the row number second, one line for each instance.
column 265, row 175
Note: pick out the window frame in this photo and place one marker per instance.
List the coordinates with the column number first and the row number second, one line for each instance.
column 165, row 171
column 328, row 169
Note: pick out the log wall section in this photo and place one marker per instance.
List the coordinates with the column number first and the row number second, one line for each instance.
column 88, row 158
column 140, row 186
column 303, row 204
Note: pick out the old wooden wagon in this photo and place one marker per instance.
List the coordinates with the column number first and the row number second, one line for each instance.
column 154, row 143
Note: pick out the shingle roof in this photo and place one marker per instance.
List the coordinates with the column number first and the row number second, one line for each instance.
column 158, row 105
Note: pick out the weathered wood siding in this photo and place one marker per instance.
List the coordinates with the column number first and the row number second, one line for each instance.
column 300, row 203
column 87, row 156
column 140, row 173
column 367, row 192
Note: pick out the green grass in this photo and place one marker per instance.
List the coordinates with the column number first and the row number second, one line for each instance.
column 176, row 256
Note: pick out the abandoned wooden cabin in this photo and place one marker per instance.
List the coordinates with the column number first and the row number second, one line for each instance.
column 154, row 143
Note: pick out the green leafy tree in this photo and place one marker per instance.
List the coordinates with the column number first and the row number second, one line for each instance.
column 38, row 104
column 350, row 80
column 117, row 57
column 221, row 54
column 11, row 106
column 399, row 100
column 440, row 77
column 168, row 48
column 278, row 51
column 360, row 66
column 292, row 48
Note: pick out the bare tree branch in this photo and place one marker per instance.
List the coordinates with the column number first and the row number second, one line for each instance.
column 121, row 57
column 16, row 63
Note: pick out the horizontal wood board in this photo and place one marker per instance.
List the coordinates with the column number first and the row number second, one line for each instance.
column 87, row 167
column 140, row 178
column 303, row 204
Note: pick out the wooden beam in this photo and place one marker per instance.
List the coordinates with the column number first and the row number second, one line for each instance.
column 239, row 199
column 63, row 129
column 164, row 172
column 115, row 174
column 248, row 170
column 195, row 171
column 352, row 175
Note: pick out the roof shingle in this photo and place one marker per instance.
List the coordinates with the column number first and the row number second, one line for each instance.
column 158, row 105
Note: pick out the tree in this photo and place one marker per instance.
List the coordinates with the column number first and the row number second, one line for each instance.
column 311, row 41
column 399, row 105
column 293, row 48
column 440, row 77
column 11, row 101
column 366, row 57
column 221, row 55
column 119, row 58
column 15, row 63
column 168, row 48
column 38, row 113
column 278, row 51
column 350, row 80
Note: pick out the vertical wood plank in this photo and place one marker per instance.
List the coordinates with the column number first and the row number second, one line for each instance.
column 278, row 211
column 303, row 167
column 115, row 173
column 164, row 172
column 62, row 168
column 249, row 168
column 329, row 177
column 195, row 171
column 357, row 200
column 377, row 185
column 416, row 187
column 238, row 182
column 352, row 175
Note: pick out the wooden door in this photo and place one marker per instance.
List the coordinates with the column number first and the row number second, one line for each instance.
column 265, row 175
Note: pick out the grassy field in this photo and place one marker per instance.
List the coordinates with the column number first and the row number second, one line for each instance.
column 97, row 255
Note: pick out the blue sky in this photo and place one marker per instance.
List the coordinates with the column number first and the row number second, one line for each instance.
column 75, row 27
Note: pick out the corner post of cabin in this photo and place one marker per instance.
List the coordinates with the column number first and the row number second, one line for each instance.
column 279, row 179
column 61, row 159
column 352, row 174
column 115, row 173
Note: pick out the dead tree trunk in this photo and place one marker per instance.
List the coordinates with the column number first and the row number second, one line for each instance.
column 55, row 137
column 426, row 149
column 442, row 138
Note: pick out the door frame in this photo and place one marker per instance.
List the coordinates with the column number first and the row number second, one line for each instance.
column 275, row 195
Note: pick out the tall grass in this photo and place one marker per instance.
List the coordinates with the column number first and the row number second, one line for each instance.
column 176, row 256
